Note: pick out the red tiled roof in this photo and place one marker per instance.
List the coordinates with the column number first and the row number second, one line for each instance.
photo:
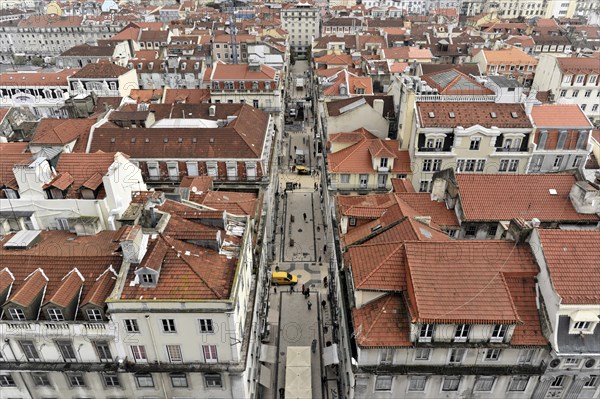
column 351, row 137
column 222, row 71
column 39, row 79
column 408, row 229
column 382, row 323
column 86, row 169
column 188, row 96
column 60, row 131
column 188, row 272
column 402, row 185
column 468, row 114
column 184, row 230
column 201, row 183
column 522, row 290
column 580, row 65
column 100, row 289
column 146, row 95
column 237, row 203
column 62, row 181
column 58, row 253
column 498, row 197
column 424, row 206
column 463, row 282
column 406, row 53
column 378, row 267
column 6, row 280
column 187, row 212
column 99, row 70
column 573, row 261
column 50, row 21
column 358, row 159
column 559, row 115
column 30, row 289
column 7, row 161
column 70, row 287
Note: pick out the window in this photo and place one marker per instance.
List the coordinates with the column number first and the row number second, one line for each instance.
column 577, row 161
column 558, row 161
column 144, row 380
column 471, row 230
column 480, row 165
column 66, row 351
column 456, row 355
column 451, row 383
column 168, row 325
column 213, row 380
column 592, row 382
column 383, row 163
column 94, row 315
column 29, row 350
column 345, row 178
column 211, row 168
column 40, row 379
column 513, row 165
column 111, row 380
column 16, row 314
column 575, row 93
column 595, row 107
column 588, row 93
column 424, row 186
column 352, row 221
column 131, row 325
column 571, row 362
column 437, row 165
column 427, row 165
column 518, row 383
column 139, row 353
column 563, row 93
column 592, row 79
column 206, row 326
column 178, row 380
column 462, row 333
column 422, row 353
column 492, row 354
column 581, row 325
column 474, row 145
column 485, row 383
column 6, row 380
column 363, row 181
column 460, row 165
column 426, row 333
column 383, row 383
column 231, row 170
column 526, row 355
column 103, row 351
column 173, row 170
column 210, row 353
column 499, row 332
column 386, row 356
column 76, row 380
column 417, row 383
column 579, row 79
column 55, row 314
column 583, row 107
column 174, row 353
column 558, row 382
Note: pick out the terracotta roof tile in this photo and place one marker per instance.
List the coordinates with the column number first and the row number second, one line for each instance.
column 463, row 282
column 203, row 184
column 358, row 159
column 188, row 96
column 185, row 230
column 382, row 323
column 406, row 53
column 7, row 161
column 188, row 272
column 522, row 290
column 58, row 252
column 61, row 181
column 237, row 203
column 70, row 287
column 85, row 169
column 408, row 229
column 100, row 289
column 402, row 185
column 518, row 196
column 573, row 261
column 351, row 137
column 559, row 115
column 51, row 20
column 509, row 56
column 222, row 71
column 30, row 289
column 37, row 79
column 424, row 206
column 333, row 107
column 378, row 267
column 468, row 114
column 146, row 95
column 6, row 280
column 188, row 212
column 60, row 131
column 580, row 65
column 99, row 70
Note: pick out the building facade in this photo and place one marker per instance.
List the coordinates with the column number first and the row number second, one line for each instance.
column 302, row 22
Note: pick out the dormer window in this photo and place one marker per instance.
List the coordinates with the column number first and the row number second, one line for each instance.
column 499, row 333
column 462, row 333
column 242, row 85
column 16, row 314
column 383, row 163
column 216, row 85
column 228, row 85
column 55, row 314
column 426, row 333
column 148, row 278
column 94, row 314
column 255, row 85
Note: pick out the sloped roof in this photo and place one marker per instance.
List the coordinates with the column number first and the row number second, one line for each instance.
column 453, row 82
column 463, row 282
column 422, row 204
column 222, row 71
column 509, row 56
column 559, row 115
column 580, row 65
column 351, row 137
column 523, row 292
column 99, row 70
column 573, row 261
column 188, row 96
column 100, row 289
column 85, row 169
column 60, row 131
column 378, row 267
column 357, row 158
column 185, row 230
column 237, row 203
column 518, row 196
column 70, row 287
column 466, row 114
column 382, row 323
column 7, row 161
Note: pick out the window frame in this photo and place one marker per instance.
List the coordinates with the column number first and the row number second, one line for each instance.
column 55, row 314
column 450, row 388
column 65, row 348
column 174, row 353
column 181, row 377
column 102, row 348
column 384, row 380
column 76, row 379
column 140, row 376
column 516, row 381
column 131, row 326
column 419, row 355
column 168, row 326
column 40, row 379
column 212, row 352
column 18, row 312
column 456, row 355
column 31, row 353
column 96, row 312
column 485, row 379
column 426, row 331
column 461, row 333
column 499, row 333
column 112, row 377
column 213, row 375
column 418, row 379
column 207, row 323
column 492, row 354
column 475, row 144
column 139, row 354
column 7, row 380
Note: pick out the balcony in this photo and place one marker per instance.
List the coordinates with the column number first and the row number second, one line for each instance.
column 456, row 369
column 510, row 149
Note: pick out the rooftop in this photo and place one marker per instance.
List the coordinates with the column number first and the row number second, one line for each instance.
column 559, row 115
column 466, row 114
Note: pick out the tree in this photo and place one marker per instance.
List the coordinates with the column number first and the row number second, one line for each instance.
column 37, row 61
column 19, row 60
column 293, row 57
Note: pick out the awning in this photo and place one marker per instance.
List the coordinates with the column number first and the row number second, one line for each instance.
column 268, row 353
column 265, row 377
column 585, row 315
column 298, row 356
column 330, row 355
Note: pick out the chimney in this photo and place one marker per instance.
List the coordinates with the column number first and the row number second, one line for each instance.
column 378, row 106
column 585, row 197
column 424, row 219
column 133, row 244
column 212, row 110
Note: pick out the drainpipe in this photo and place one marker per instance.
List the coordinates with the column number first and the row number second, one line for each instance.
column 162, row 383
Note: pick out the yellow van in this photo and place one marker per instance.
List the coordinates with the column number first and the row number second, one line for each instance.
column 284, row 278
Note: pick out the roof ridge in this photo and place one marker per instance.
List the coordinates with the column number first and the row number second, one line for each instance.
column 350, row 151
column 379, row 313
column 375, row 269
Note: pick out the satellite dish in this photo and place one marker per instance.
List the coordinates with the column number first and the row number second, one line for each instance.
column 194, row 189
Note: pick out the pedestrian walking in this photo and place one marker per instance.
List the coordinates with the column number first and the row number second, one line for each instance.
column 323, row 303
column 307, row 292
column 319, row 258
column 304, row 214
column 325, row 281
column 303, row 289
column 316, row 187
column 309, row 304
column 291, row 289
column 299, row 185
column 295, row 148
column 275, row 290
column 325, row 248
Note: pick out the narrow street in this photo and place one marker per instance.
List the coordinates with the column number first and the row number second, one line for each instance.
column 301, row 248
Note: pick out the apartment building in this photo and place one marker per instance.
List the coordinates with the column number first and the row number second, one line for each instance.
column 566, row 285
column 510, row 62
column 571, row 80
column 42, row 93
column 561, row 138
column 103, row 78
column 50, row 35
column 222, row 48
column 254, row 84
column 477, row 137
column 302, row 22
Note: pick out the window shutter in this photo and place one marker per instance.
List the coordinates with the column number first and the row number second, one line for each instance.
column 542, row 140
column 562, row 137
